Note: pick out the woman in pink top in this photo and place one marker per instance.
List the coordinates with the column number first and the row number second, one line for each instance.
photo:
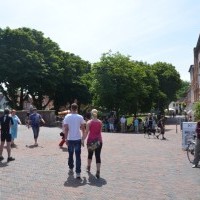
column 93, row 131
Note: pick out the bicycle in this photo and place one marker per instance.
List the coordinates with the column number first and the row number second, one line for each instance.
column 190, row 149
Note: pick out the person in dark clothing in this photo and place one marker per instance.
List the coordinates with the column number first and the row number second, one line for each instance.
column 6, row 121
column 161, row 125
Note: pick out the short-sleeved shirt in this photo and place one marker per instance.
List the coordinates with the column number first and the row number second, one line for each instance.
column 6, row 121
column 35, row 119
column 74, row 122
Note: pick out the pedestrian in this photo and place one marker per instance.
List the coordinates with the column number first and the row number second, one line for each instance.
column 145, row 125
column 6, row 121
column 73, row 122
column 161, row 125
column 14, row 127
column 111, row 121
column 197, row 146
column 63, row 113
column 136, row 124
column 123, row 124
column 93, row 134
column 35, row 120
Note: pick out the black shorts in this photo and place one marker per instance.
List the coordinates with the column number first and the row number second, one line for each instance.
column 6, row 136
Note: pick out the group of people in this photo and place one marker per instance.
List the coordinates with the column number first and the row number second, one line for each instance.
column 76, row 130
column 9, row 122
column 148, row 126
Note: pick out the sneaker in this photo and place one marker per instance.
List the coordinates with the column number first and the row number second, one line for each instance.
column 157, row 136
column 194, row 166
column 78, row 176
column 10, row 159
column 70, row 172
column 98, row 174
column 1, row 158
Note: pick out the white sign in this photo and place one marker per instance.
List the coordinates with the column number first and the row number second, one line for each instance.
column 188, row 133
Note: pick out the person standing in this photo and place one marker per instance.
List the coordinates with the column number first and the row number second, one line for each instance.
column 93, row 132
column 123, row 124
column 161, row 125
column 14, row 127
column 136, row 124
column 34, row 120
column 111, row 121
column 6, row 121
column 73, row 122
column 197, row 146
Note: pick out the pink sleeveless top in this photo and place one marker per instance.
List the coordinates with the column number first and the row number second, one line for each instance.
column 94, row 131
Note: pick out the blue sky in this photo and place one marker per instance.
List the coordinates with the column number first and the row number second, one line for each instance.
column 146, row 30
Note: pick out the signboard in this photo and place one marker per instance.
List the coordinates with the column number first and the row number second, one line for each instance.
column 188, row 130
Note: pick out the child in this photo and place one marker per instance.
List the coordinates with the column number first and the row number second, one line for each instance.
column 63, row 113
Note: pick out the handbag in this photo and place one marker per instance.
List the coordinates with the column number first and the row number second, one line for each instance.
column 93, row 145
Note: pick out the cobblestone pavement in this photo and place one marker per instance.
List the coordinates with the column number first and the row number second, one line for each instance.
column 133, row 167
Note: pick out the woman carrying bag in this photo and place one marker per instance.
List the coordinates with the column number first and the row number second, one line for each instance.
column 94, row 141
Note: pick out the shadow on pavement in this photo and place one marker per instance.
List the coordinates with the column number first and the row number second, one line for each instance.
column 92, row 180
column 33, row 146
column 74, row 182
column 65, row 149
column 5, row 164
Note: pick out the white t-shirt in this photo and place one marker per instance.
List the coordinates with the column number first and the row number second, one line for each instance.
column 123, row 120
column 74, row 122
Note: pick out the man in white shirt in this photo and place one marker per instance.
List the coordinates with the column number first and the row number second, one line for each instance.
column 73, row 125
column 123, row 124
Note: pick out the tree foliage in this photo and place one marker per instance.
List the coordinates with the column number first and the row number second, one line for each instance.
column 122, row 85
column 29, row 64
column 169, row 83
column 182, row 92
column 197, row 111
column 35, row 65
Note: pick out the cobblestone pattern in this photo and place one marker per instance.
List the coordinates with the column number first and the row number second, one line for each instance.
column 133, row 167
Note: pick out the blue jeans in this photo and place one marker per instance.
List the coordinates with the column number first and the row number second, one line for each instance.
column 36, row 130
column 74, row 146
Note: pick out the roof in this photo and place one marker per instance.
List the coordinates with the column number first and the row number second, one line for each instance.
column 197, row 48
column 191, row 66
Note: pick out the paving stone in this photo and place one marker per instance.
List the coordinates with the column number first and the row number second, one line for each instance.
column 133, row 167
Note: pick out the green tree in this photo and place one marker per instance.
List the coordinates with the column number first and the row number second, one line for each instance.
column 182, row 92
column 169, row 83
column 29, row 64
column 120, row 84
column 197, row 111
column 74, row 81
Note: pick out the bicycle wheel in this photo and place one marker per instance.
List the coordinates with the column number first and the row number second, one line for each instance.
column 190, row 152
